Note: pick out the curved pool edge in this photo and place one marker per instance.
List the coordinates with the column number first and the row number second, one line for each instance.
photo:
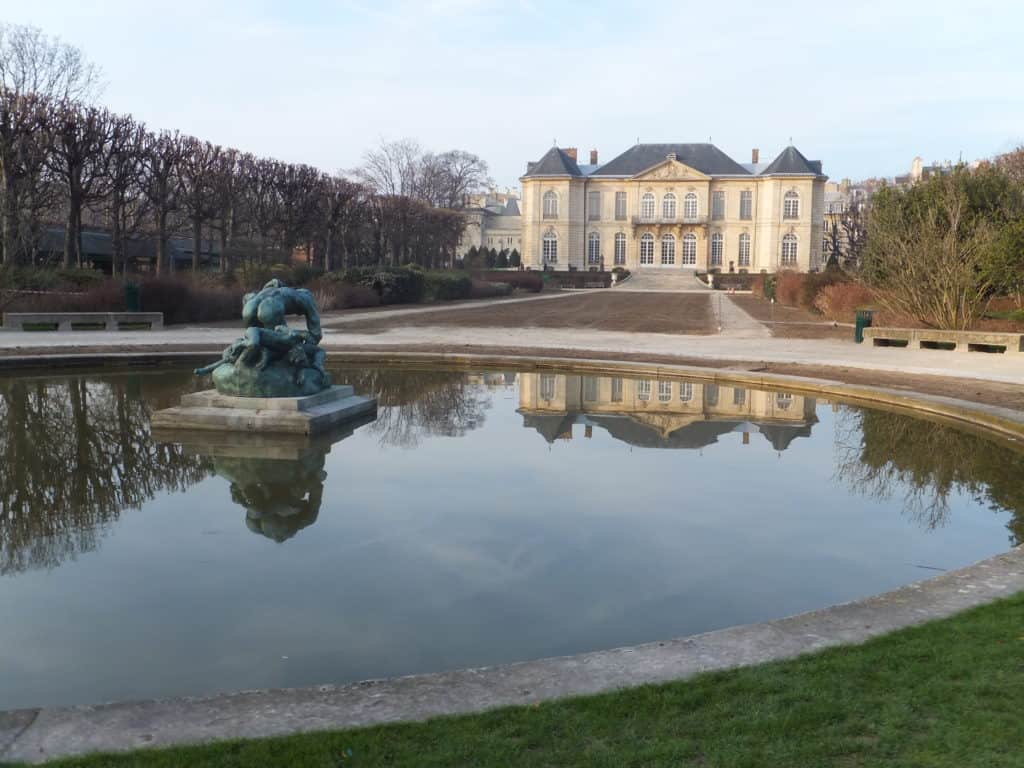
column 35, row 736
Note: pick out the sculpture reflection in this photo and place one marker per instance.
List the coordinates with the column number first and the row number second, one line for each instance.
column 277, row 479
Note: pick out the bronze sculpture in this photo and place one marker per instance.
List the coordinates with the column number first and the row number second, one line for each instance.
column 271, row 359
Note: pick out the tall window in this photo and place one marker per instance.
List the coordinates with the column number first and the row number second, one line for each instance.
column 690, row 206
column 547, row 386
column 668, row 250
column 593, row 206
column 590, row 388
column 685, row 391
column 664, row 391
column 668, row 207
column 739, row 396
column 647, row 206
column 718, row 205
column 550, row 205
column 620, row 248
column 746, row 205
column 744, row 254
column 711, row 394
column 643, row 390
column 617, row 390
column 789, row 251
column 689, row 249
column 593, row 249
column 550, row 248
column 620, row 206
column 717, row 245
column 791, row 205
column 647, row 249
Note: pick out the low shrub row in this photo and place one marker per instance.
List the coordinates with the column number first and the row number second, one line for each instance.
column 737, row 281
column 577, row 278
column 831, row 293
column 523, row 281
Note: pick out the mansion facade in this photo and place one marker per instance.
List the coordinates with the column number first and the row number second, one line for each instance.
column 673, row 206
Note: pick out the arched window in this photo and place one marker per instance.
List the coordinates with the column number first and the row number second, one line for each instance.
column 647, row 206
column 620, row 248
column 647, row 249
column 744, row 254
column 668, row 207
column 550, row 205
column 690, row 206
column 593, row 249
column 550, row 248
column 789, row 251
column 685, row 391
column 791, row 205
column 668, row 250
column 717, row 245
column 689, row 249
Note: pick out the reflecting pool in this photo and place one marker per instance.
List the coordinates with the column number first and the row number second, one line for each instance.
column 481, row 518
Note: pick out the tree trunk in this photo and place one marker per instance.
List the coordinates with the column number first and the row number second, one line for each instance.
column 161, row 241
column 10, row 222
column 116, row 236
column 72, row 234
column 197, row 242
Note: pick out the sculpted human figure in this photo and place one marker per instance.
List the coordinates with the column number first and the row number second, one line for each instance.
column 271, row 359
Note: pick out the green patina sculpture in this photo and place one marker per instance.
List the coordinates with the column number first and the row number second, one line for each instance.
column 271, row 359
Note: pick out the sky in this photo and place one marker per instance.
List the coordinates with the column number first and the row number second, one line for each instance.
column 863, row 86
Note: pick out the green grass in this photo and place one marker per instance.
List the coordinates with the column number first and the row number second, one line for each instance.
column 949, row 693
column 1016, row 315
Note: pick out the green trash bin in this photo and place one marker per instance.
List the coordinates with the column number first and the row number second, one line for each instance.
column 863, row 321
column 133, row 297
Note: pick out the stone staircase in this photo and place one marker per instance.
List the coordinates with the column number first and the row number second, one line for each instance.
column 663, row 280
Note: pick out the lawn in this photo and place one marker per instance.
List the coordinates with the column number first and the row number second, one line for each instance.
column 948, row 693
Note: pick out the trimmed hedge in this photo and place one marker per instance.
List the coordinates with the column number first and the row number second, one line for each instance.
column 524, row 281
column 446, row 286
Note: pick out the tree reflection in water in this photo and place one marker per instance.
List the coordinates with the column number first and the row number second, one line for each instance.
column 74, row 453
column 415, row 404
column 882, row 454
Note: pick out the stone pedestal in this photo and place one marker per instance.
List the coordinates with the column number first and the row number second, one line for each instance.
column 310, row 415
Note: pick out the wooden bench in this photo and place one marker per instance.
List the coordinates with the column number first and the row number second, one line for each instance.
column 83, row 321
column 952, row 341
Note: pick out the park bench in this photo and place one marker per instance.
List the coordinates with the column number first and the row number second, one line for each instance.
column 959, row 341
column 83, row 321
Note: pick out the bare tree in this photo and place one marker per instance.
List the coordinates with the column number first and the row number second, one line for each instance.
column 161, row 185
column 34, row 63
column 23, row 155
column 262, row 199
column 127, row 203
column 463, row 173
column 226, row 181
column 393, row 168
column 79, row 158
column 197, row 169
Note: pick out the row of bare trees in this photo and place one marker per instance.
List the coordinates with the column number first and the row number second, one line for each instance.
column 66, row 162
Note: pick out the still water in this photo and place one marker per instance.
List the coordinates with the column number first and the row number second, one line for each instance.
column 481, row 518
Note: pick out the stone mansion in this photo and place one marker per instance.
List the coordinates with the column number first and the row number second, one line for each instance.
column 673, row 206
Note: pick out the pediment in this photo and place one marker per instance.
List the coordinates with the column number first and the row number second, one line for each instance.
column 671, row 170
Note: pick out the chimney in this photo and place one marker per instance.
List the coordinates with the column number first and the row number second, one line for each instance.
column 593, row 157
column 755, row 153
column 571, row 152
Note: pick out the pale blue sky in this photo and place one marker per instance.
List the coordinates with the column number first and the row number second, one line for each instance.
column 863, row 86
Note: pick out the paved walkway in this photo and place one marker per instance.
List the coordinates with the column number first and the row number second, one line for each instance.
column 662, row 281
column 732, row 345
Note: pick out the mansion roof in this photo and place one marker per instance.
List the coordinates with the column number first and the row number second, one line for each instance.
column 705, row 158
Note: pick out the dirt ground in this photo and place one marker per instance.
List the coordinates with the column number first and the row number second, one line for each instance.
column 790, row 322
column 688, row 313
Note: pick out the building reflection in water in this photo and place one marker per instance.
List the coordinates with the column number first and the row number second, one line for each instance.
column 277, row 479
column 666, row 413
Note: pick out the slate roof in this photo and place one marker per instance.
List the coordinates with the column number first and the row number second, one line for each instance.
column 511, row 208
column 554, row 163
column 791, row 162
column 706, row 158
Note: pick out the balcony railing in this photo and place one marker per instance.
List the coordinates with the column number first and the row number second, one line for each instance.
column 637, row 220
